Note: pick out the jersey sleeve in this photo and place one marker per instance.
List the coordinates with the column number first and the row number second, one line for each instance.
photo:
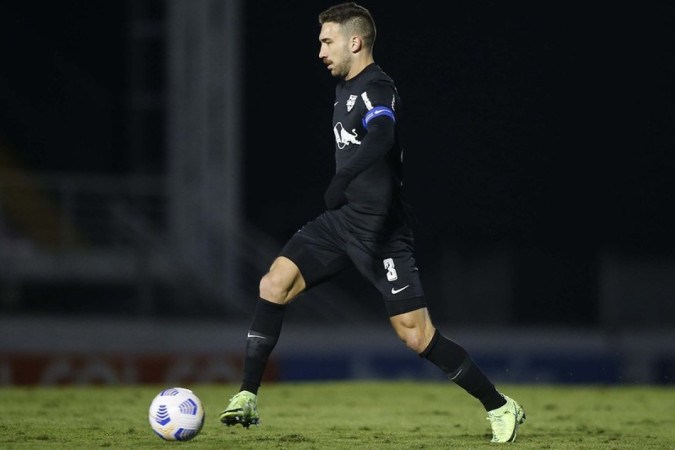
column 379, row 121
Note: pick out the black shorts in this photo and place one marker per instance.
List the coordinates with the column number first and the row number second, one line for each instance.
column 328, row 244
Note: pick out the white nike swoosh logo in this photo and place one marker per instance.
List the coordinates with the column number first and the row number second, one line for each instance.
column 256, row 336
column 396, row 291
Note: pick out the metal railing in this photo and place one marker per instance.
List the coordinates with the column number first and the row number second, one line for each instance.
column 114, row 229
column 66, row 212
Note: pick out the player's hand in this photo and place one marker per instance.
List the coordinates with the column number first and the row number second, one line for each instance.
column 335, row 193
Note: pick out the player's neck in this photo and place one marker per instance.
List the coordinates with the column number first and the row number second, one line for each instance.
column 359, row 65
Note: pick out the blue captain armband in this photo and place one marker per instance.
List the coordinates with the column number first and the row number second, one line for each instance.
column 376, row 112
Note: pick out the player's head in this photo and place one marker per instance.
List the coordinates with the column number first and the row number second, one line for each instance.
column 347, row 37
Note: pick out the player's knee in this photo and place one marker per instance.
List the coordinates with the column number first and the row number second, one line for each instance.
column 413, row 338
column 415, row 341
column 275, row 288
column 414, row 331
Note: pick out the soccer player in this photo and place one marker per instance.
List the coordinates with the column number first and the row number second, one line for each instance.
column 366, row 223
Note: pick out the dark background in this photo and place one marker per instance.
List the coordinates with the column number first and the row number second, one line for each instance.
column 543, row 127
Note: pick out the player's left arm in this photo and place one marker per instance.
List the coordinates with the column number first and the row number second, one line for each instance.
column 379, row 122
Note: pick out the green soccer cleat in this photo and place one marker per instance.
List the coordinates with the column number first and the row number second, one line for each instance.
column 505, row 420
column 243, row 409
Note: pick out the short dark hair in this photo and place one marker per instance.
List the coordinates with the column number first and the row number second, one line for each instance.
column 353, row 16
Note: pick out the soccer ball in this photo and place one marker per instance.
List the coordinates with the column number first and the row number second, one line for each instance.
column 176, row 414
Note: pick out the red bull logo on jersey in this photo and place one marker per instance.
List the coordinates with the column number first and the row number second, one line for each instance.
column 343, row 137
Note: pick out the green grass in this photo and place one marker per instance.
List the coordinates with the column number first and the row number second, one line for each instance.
column 350, row 415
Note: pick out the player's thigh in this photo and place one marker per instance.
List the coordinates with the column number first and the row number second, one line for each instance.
column 317, row 250
column 391, row 268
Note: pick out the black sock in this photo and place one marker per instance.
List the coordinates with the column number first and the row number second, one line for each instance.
column 261, row 339
column 460, row 368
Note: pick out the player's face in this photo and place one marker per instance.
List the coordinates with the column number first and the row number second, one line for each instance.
column 334, row 51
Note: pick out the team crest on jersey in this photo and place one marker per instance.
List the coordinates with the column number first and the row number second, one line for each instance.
column 351, row 101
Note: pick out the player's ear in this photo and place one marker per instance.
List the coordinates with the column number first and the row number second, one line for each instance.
column 355, row 44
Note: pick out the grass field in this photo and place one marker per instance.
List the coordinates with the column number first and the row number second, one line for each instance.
column 349, row 415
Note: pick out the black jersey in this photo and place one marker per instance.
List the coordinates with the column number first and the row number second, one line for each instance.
column 367, row 148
